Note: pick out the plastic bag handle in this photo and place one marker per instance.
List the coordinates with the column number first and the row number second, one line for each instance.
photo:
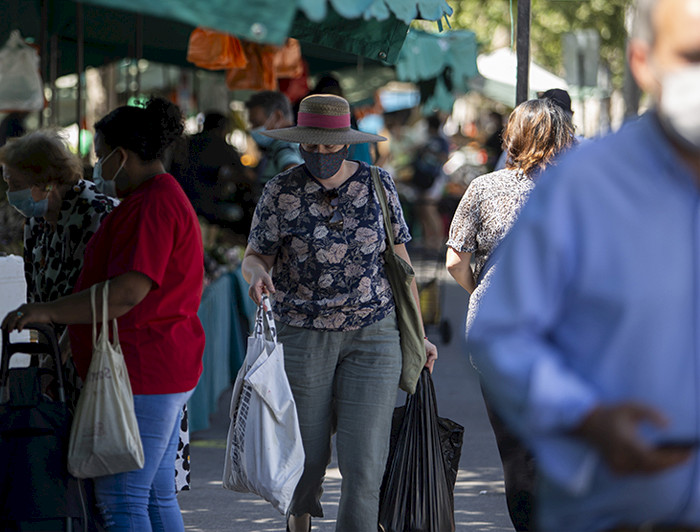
column 264, row 321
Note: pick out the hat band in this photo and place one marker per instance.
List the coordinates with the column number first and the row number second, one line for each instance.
column 323, row 121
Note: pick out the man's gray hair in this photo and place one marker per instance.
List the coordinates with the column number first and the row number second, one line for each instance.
column 642, row 22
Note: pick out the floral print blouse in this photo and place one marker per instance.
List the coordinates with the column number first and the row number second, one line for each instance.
column 486, row 213
column 328, row 275
column 53, row 257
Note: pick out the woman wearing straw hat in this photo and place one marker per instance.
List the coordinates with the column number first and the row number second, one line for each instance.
column 316, row 245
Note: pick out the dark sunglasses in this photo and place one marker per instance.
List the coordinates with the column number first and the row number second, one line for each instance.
column 336, row 220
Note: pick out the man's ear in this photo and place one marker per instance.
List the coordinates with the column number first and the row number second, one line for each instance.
column 278, row 117
column 640, row 61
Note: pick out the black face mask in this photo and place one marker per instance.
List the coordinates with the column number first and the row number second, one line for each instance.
column 324, row 165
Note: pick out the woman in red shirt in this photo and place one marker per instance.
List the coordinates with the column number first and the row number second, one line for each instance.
column 150, row 249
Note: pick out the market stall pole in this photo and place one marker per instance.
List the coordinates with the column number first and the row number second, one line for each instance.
column 80, row 62
column 523, row 52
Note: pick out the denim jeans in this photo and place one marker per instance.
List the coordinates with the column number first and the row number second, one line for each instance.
column 345, row 381
column 144, row 500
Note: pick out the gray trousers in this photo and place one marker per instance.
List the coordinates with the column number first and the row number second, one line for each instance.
column 344, row 381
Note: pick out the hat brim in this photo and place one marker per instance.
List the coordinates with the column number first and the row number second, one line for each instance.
column 316, row 135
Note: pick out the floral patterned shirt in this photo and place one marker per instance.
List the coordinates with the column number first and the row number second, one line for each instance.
column 53, row 258
column 327, row 277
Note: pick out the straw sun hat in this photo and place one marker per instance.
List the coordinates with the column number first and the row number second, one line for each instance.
column 323, row 119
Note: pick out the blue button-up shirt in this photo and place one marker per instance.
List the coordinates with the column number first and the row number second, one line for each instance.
column 596, row 300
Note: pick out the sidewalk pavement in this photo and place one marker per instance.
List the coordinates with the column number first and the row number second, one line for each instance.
column 479, row 495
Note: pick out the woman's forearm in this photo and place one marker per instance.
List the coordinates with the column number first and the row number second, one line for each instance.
column 459, row 267
column 125, row 292
column 255, row 263
column 251, row 265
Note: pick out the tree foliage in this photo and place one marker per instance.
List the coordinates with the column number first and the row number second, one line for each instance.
column 551, row 19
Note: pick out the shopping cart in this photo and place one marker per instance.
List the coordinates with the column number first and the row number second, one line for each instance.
column 36, row 490
column 429, row 271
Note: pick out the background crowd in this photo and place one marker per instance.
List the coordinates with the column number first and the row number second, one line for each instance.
column 586, row 349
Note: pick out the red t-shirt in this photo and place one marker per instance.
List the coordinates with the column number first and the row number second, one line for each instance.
column 154, row 231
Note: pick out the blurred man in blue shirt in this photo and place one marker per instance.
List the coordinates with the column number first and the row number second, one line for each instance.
column 588, row 340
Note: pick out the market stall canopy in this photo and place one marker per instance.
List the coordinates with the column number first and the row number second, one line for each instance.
column 159, row 31
column 441, row 64
column 497, row 79
column 271, row 21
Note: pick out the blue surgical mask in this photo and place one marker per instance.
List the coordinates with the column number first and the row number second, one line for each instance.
column 324, row 165
column 261, row 140
column 24, row 203
column 109, row 188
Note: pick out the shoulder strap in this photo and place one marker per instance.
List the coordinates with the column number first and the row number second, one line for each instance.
column 381, row 194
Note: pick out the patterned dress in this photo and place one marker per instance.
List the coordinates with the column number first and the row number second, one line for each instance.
column 486, row 213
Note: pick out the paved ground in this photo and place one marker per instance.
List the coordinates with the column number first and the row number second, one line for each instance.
column 479, row 496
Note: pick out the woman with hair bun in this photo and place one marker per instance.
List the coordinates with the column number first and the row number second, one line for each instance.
column 150, row 250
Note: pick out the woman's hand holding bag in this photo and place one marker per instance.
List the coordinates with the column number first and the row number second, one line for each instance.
column 264, row 452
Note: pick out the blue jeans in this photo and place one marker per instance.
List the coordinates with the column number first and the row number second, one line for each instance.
column 144, row 500
column 344, row 381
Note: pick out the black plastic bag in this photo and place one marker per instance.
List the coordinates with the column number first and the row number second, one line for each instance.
column 417, row 492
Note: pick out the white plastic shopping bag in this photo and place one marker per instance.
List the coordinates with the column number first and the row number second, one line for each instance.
column 104, row 436
column 21, row 88
column 264, row 453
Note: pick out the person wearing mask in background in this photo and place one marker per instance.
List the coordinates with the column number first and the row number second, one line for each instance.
column 587, row 339
column 536, row 133
column 316, row 245
column 62, row 212
column 272, row 110
column 150, row 250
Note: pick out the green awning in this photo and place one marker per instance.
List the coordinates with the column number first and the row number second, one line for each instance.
column 404, row 10
column 110, row 26
column 272, row 20
column 440, row 64
column 377, row 40
column 425, row 56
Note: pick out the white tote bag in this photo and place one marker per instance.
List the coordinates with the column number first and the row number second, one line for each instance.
column 264, row 453
column 104, row 436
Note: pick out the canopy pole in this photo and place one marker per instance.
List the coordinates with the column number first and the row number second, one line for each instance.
column 53, row 74
column 139, row 50
column 80, row 39
column 523, row 52
column 44, row 50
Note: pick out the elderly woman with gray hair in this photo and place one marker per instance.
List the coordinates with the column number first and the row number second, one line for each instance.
column 316, row 244
column 63, row 211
